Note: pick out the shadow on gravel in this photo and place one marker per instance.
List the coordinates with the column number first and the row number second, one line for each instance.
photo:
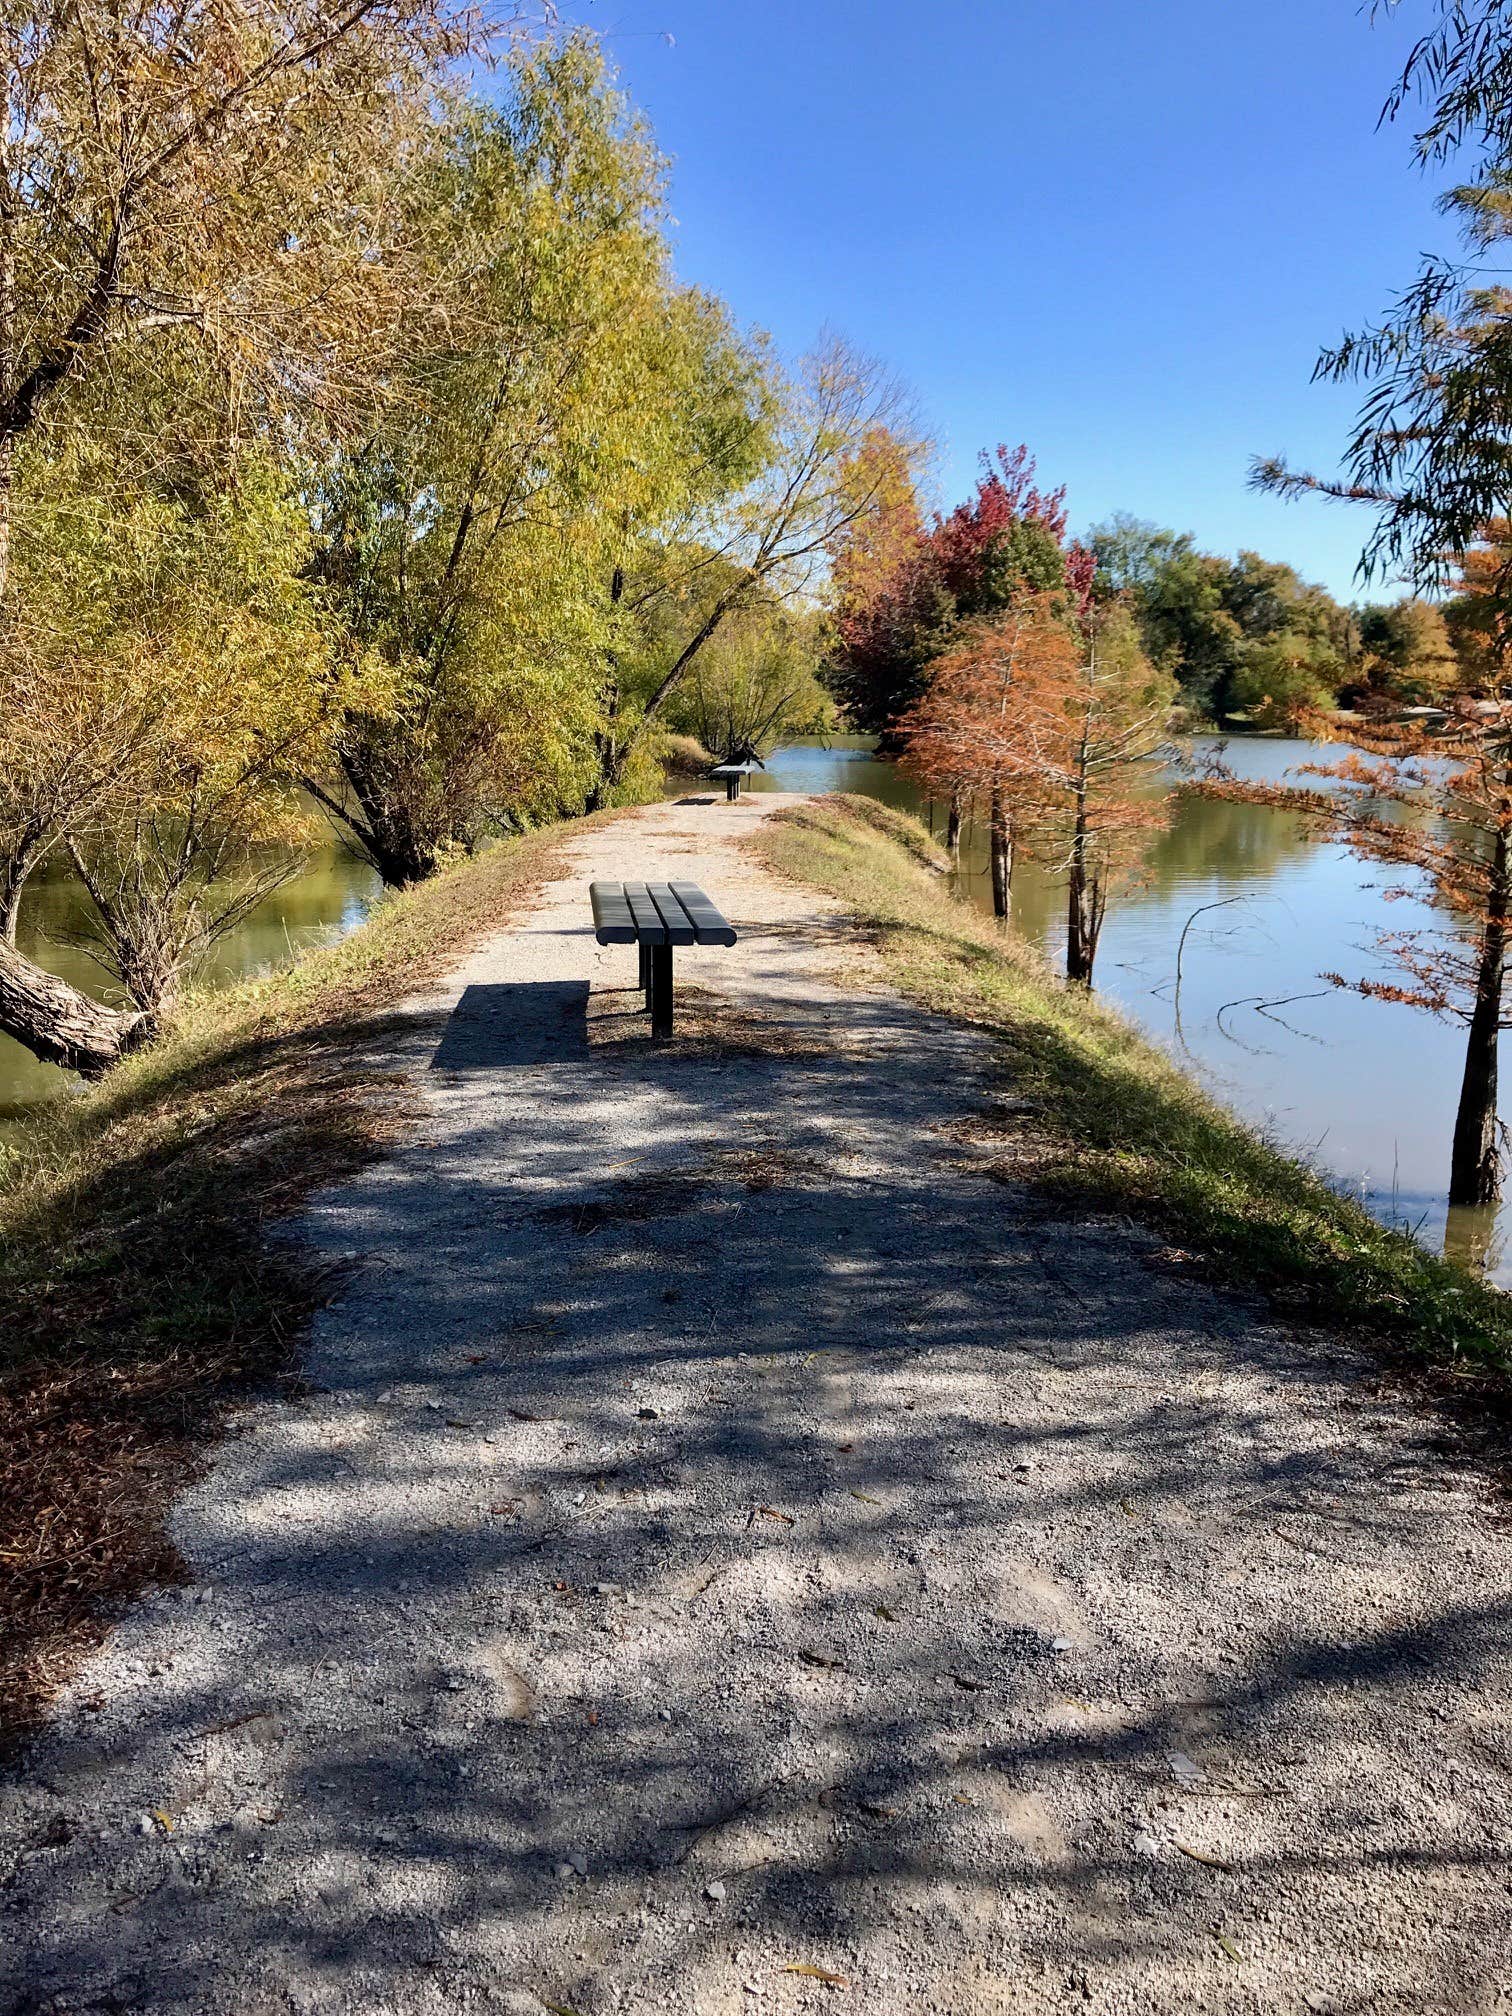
column 514, row 1022
column 715, row 1477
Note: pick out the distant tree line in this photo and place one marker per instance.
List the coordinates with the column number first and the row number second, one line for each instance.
column 1243, row 639
column 1250, row 638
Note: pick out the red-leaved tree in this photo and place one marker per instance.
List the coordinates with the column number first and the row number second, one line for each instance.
column 992, row 726
column 904, row 587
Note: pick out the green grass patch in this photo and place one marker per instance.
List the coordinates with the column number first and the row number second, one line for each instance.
column 1113, row 1123
column 139, row 1292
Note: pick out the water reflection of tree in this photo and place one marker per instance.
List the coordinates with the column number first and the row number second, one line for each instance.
column 1209, row 844
column 1249, row 846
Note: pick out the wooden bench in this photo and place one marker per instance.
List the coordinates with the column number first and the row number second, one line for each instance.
column 656, row 916
column 732, row 773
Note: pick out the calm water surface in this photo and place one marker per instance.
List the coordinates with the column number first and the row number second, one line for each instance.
column 327, row 898
column 1365, row 1089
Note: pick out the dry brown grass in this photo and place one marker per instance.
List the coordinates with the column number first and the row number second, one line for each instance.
column 664, row 1193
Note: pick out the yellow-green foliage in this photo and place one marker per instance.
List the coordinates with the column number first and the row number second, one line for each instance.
column 568, row 400
column 1115, row 1124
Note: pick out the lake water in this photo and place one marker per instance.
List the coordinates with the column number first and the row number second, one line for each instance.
column 328, row 897
column 1364, row 1089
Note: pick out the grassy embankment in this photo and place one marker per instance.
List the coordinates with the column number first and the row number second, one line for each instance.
column 139, row 1293
column 1110, row 1122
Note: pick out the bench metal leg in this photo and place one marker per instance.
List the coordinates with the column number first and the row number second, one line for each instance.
column 644, row 980
column 661, row 993
column 732, row 789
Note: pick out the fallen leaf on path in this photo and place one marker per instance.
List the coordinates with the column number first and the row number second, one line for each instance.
column 1201, row 1855
column 240, row 1722
column 560, row 2008
column 831, row 1661
column 866, row 1498
column 813, row 1973
column 965, row 1681
column 522, row 1414
column 771, row 1512
column 163, row 1818
column 477, row 1358
column 1228, row 1946
column 875, row 1812
column 887, row 1616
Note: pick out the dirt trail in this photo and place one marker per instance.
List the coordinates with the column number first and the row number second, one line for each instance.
column 729, row 1531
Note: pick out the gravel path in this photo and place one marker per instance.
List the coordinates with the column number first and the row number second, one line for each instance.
column 730, row 1532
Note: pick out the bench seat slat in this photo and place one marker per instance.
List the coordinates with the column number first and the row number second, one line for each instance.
column 649, row 928
column 656, row 913
column 613, row 923
column 680, row 927
column 709, row 926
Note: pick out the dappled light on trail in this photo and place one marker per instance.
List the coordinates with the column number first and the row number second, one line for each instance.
column 733, row 1527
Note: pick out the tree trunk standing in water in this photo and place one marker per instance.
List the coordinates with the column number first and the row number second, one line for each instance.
column 1000, row 847
column 1081, row 903
column 953, row 824
column 1475, row 1166
column 1453, row 779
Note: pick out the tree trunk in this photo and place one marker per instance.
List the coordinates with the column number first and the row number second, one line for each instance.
column 384, row 835
column 1000, row 846
column 1081, row 908
column 612, row 757
column 1475, row 1166
column 953, row 824
column 60, row 1024
column 615, row 750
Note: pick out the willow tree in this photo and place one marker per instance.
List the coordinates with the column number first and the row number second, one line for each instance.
column 756, row 683
column 556, row 390
column 188, row 194
column 766, row 541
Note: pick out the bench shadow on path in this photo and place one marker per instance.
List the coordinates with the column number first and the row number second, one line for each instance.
column 496, row 1024
column 747, row 1394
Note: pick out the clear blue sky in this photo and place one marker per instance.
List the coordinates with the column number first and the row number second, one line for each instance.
column 1118, row 232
